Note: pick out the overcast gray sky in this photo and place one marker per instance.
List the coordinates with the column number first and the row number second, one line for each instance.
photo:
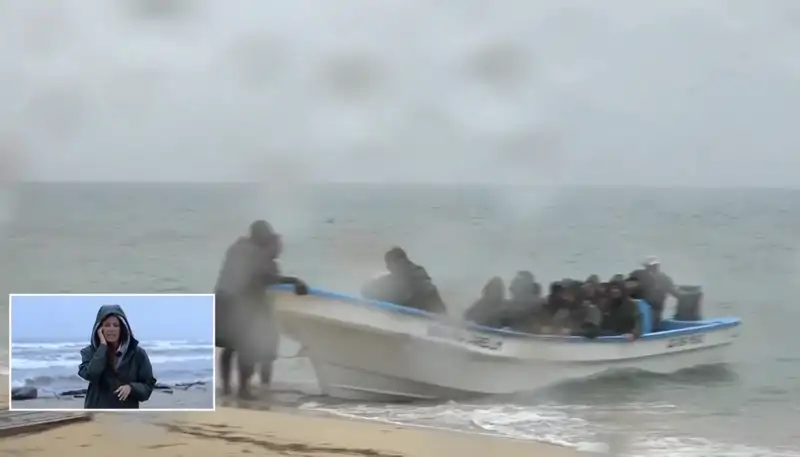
column 555, row 92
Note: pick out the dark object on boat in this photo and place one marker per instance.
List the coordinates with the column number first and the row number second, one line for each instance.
column 690, row 303
column 24, row 393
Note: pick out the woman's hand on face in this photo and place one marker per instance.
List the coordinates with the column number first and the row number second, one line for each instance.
column 123, row 392
column 101, row 336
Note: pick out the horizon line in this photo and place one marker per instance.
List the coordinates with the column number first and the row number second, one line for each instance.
column 414, row 183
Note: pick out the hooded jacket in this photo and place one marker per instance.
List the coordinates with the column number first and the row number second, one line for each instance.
column 244, row 310
column 621, row 315
column 410, row 286
column 489, row 310
column 132, row 367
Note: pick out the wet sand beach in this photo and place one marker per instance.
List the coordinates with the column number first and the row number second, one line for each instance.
column 231, row 431
column 234, row 431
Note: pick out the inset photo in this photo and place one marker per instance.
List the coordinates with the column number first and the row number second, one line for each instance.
column 112, row 352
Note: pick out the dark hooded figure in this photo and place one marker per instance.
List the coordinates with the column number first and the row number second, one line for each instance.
column 572, row 313
column 586, row 317
column 524, row 287
column 244, row 313
column 407, row 284
column 118, row 370
column 563, row 299
column 489, row 310
column 621, row 313
column 525, row 305
column 653, row 286
column 589, row 290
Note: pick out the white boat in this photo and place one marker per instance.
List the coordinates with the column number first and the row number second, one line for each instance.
column 375, row 351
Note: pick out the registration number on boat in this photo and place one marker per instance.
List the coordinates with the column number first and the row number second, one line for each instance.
column 688, row 340
column 465, row 336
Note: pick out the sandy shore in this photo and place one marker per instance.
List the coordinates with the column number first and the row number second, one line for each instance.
column 201, row 397
column 233, row 431
column 265, row 433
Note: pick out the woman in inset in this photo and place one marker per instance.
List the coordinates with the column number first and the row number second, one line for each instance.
column 118, row 370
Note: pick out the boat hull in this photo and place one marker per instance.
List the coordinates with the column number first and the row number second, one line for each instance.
column 375, row 353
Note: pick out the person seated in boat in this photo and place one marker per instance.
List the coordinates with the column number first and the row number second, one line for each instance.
column 619, row 277
column 524, row 287
column 654, row 286
column 633, row 287
column 406, row 284
column 490, row 309
column 564, row 308
column 579, row 314
column 620, row 313
column 589, row 290
column 540, row 320
column 586, row 317
column 600, row 293
column 523, row 309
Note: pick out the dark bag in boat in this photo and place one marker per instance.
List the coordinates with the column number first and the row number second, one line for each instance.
column 690, row 300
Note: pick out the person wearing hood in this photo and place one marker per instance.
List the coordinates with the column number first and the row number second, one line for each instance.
column 525, row 305
column 653, row 286
column 118, row 369
column 490, row 309
column 524, row 287
column 407, row 284
column 590, row 290
column 587, row 316
column 244, row 321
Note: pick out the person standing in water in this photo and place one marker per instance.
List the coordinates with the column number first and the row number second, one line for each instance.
column 244, row 321
column 118, row 370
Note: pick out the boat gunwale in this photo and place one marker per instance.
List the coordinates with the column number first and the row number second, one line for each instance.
column 706, row 326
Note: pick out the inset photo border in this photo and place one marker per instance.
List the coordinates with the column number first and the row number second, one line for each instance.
column 111, row 352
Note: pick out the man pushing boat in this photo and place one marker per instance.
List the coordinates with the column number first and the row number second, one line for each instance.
column 244, row 311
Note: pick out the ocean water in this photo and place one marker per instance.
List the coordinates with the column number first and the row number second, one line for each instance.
column 742, row 245
column 51, row 366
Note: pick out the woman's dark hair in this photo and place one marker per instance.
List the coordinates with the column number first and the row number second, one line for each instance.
column 123, row 337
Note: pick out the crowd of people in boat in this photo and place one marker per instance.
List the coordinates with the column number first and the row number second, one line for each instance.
column 245, row 325
column 588, row 308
